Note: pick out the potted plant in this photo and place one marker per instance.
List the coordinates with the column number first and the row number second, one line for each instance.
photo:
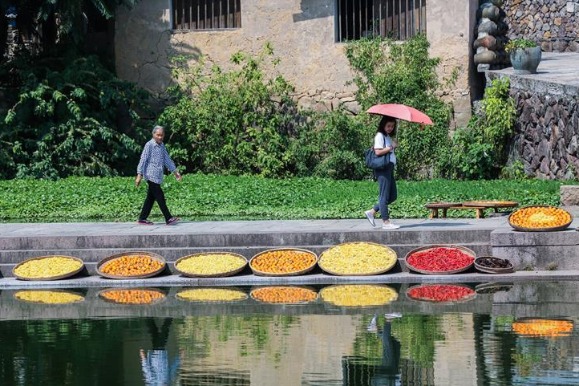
column 525, row 55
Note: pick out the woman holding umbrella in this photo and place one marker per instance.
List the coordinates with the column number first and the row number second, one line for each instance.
column 385, row 144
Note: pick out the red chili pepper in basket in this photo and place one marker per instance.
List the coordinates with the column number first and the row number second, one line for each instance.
column 440, row 259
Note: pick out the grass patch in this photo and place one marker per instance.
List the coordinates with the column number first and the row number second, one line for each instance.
column 213, row 197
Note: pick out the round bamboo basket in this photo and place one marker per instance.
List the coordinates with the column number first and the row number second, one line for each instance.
column 386, row 265
column 540, row 229
column 292, row 273
column 152, row 255
column 242, row 264
column 46, row 278
column 449, row 272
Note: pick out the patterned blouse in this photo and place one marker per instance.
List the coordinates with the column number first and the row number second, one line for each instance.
column 154, row 159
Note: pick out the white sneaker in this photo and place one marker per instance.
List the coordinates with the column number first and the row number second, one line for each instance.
column 370, row 217
column 390, row 226
column 393, row 315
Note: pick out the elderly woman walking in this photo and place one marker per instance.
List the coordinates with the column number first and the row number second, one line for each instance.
column 154, row 160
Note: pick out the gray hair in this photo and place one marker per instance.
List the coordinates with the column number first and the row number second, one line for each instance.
column 157, row 128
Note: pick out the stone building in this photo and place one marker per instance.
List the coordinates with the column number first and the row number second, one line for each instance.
column 307, row 35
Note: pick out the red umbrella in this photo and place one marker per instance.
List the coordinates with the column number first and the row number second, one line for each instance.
column 400, row 111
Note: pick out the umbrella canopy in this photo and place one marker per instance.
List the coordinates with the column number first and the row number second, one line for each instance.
column 400, row 111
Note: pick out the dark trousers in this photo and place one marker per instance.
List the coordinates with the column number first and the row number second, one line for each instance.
column 387, row 192
column 154, row 193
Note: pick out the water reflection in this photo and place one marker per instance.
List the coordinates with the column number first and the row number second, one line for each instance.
column 515, row 334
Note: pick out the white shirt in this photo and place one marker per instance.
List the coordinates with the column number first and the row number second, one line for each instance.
column 381, row 141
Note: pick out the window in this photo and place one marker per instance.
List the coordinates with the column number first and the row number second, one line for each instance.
column 396, row 19
column 206, row 14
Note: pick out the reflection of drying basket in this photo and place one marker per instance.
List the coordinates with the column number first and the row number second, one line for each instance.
column 441, row 293
column 242, row 263
column 383, row 263
column 132, row 296
column 358, row 295
column 541, row 327
column 465, row 250
column 284, row 294
column 32, row 260
column 53, row 296
column 309, row 255
column 150, row 255
column 540, row 229
column 211, row 295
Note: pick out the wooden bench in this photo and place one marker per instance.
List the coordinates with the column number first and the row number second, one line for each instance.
column 478, row 206
column 444, row 207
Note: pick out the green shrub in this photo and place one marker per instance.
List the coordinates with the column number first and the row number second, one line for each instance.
column 393, row 72
column 65, row 120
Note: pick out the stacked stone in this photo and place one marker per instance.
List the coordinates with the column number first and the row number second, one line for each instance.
column 491, row 37
column 553, row 23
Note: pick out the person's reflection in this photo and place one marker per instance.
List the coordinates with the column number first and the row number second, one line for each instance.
column 155, row 363
column 387, row 372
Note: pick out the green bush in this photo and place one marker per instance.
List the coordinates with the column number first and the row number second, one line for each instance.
column 65, row 121
column 393, row 72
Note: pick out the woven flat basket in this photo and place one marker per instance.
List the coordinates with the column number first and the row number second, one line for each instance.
column 384, row 269
column 293, row 273
column 152, row 255
column 449, row 272
column 46, row 278
column 242, row 260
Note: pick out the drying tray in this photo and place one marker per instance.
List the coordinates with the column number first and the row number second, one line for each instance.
column 472, row 294
column 47, row 278
column 486, row 269
column 152, row 255
column 449, row 246
column 309, row 290
column 242, row 259
column 386, row 268
column 545, row 229
column 293, row 273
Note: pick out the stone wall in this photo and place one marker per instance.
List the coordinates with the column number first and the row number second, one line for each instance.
column 302, row 33
column 553, row 23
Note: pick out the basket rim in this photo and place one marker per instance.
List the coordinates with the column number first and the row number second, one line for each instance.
column 373, row 273
column 222, row 274
column 152, row 255
column 48, row 278
column 467, row 298
column 62, row 290
column 433, row 246
column 233, row 289
column 305, row 287
column 381, row 285
column 482, row 268
column 257, row 272
column 546, row 229
column 101, row 293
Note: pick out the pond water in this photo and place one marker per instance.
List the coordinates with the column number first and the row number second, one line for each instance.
column 499, row 334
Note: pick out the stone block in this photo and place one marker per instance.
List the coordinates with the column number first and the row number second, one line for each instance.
column 569, row 195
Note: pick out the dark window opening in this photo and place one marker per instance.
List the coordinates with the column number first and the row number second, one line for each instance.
column 396, row 19
column 206, row 14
